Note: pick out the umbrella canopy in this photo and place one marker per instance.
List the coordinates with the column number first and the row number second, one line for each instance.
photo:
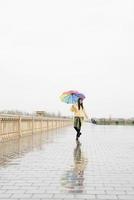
column 71, row 96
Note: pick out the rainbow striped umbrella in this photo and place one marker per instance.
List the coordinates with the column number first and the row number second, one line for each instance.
column 71, row 96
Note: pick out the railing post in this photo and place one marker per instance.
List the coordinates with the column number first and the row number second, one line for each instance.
column 32, row 125
column 2, row 127
column 47, row 124
column 20, row 133
column 1, row 134
column 41, row 126
column 52, row 123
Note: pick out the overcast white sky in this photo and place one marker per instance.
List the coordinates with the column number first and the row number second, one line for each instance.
column 47, row 47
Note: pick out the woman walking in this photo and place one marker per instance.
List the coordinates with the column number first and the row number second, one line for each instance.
column 79, row 115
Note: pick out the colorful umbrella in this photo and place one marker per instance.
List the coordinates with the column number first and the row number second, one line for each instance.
column 71, row 96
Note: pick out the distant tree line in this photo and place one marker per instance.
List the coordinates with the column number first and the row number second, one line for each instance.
column 15, row 112
column 18, row 112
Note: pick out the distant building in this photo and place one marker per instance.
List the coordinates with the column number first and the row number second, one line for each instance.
column 41, row 113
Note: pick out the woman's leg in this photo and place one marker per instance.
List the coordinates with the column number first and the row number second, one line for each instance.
column 79, row 133
column 77, row 126
column 77, row 130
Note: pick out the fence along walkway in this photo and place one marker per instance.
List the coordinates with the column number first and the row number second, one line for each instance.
column 12, row 127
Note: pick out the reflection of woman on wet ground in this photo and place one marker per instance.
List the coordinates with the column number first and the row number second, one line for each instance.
column 78, row 166
column 79, row 115
column 73, row 179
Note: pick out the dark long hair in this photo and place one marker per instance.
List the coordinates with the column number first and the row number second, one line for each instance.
column 80, row 104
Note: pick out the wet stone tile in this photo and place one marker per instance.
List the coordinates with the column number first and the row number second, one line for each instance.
column 52, row 165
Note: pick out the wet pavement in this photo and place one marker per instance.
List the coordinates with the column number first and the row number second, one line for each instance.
column 53, row 165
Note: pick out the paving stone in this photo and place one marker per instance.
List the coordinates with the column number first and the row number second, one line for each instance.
column 52, row 165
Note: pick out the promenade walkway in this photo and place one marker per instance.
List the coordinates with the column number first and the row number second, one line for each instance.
column 53, row 166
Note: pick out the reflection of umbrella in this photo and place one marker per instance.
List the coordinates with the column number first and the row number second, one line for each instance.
column 71, row 96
